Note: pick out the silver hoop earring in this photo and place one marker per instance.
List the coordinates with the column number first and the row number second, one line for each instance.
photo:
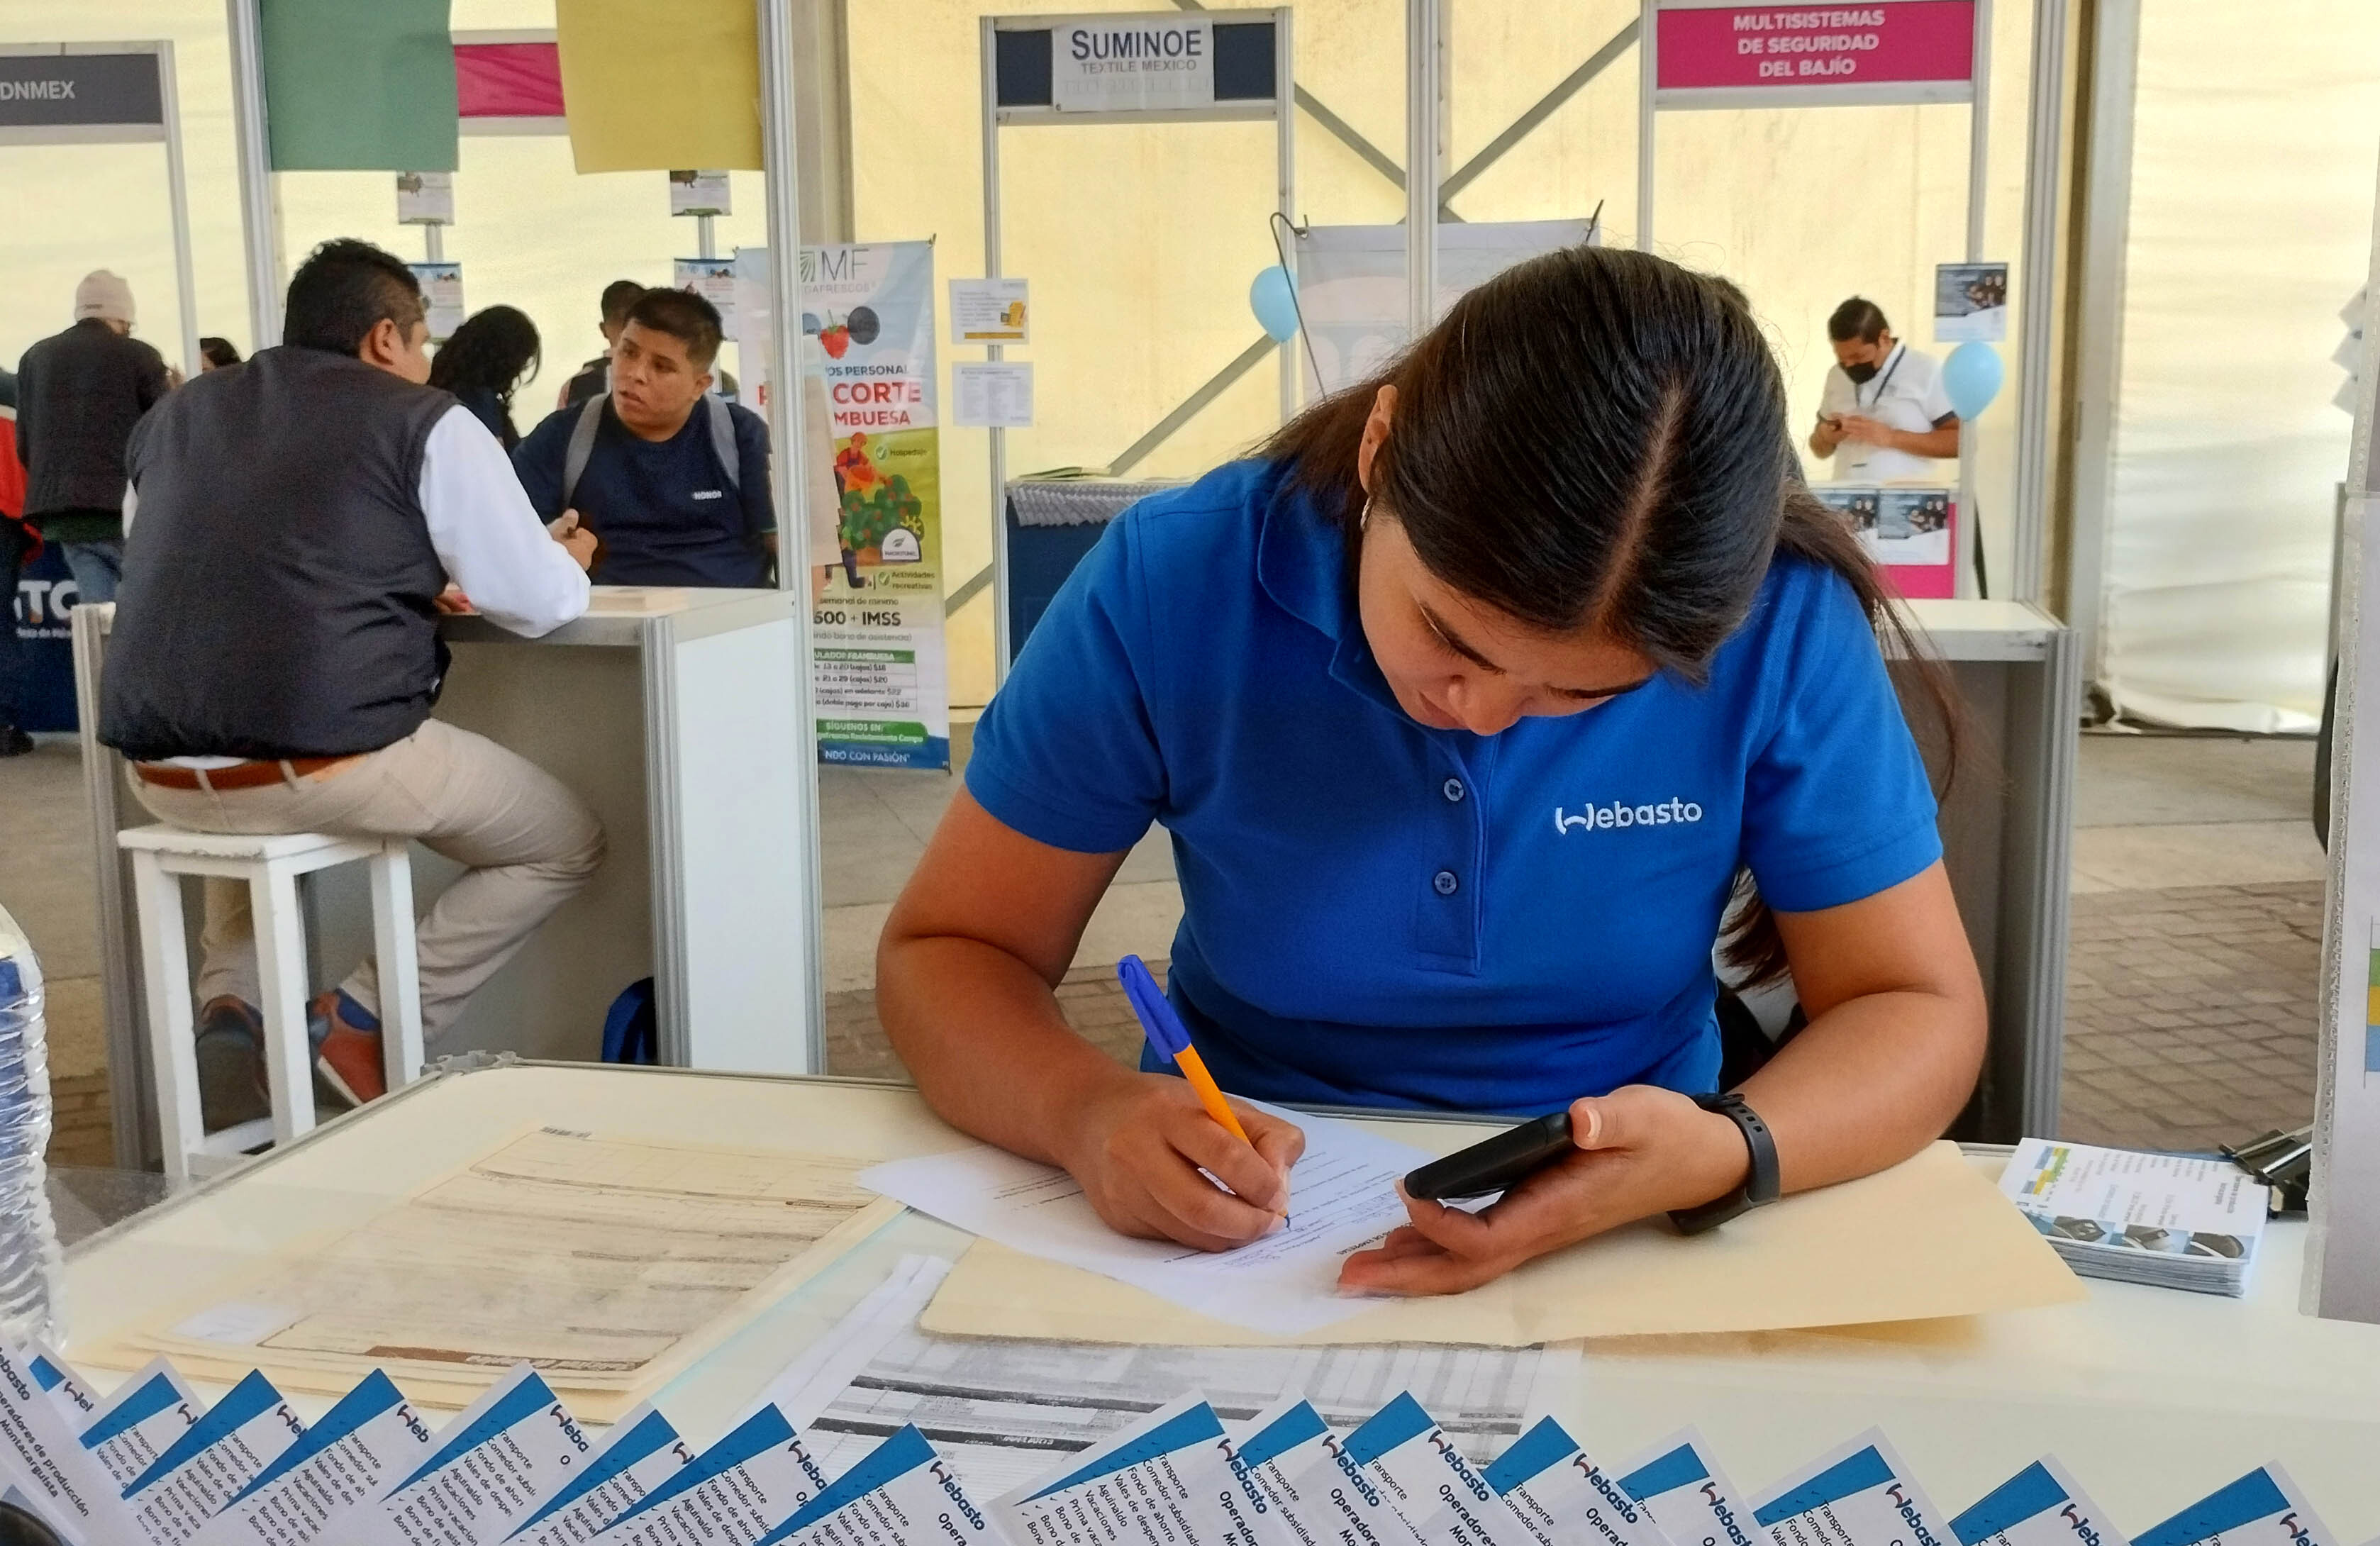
column 1364, row 520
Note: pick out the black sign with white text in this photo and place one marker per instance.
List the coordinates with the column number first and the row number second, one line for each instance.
column 79, row 91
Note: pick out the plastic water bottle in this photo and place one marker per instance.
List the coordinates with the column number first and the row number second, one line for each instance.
column 30, row 1264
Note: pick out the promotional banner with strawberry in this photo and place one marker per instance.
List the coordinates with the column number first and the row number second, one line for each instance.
column 881, row 675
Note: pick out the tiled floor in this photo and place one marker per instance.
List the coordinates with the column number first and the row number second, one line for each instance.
column 2196, row 949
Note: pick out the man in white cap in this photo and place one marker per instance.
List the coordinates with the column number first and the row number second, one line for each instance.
column 79, row 394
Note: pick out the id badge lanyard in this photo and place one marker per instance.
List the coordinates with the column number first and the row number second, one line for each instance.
column 1883, row 382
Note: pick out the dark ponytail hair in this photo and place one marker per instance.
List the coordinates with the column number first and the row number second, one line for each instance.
column 1595, row 441
column 495, row 350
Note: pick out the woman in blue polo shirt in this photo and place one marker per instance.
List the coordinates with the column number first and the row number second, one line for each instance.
column 1467, row 701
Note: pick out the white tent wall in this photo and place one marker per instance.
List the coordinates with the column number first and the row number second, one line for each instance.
column 70, row 208
column 2255, row 135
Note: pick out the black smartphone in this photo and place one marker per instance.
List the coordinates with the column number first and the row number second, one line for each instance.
column 1493, row 1165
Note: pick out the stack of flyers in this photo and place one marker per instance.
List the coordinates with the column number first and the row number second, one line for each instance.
column 2166, row 1220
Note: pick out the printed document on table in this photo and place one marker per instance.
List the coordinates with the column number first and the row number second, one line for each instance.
column 902, row 1494
column 1682, row 1488
column 40, row 1456
column 492, row 1467
column 1342, row 1197
column 740, row 1489
column 1397, row 1473
column 1166, row 1480
column 1277, row 1449
column 1562, row 1498
column 53, row 1373
column 2264, row 1497
column 360, row 1444
column 1004, row 1411
column 608, row 1262
column 639, row 1455
column 221, row 1453
column 1858, row 1494
column 146, row 1416
column 2040, row 1506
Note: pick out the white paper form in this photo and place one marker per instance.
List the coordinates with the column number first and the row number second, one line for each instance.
column 1400, row 1471
column 826, row 1368
column 1682, row 1488
column 2263, row 1508
column 1858, row 1494
column 53, row 1373
column 1342, row 1196
column 641, row 1453
column 1275, row 1449
column 1002, row 1410
column 1166, row 1480
column 227, row 1448
column 371, row 1437
column 40, row 1457
column 736, row 1492
column 146, row 1416
column 2040, row 1506
column 1562, row 1498
column 493, row 1466
column 902, row 1494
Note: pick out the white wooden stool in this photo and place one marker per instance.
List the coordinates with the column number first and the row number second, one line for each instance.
column 269, row 865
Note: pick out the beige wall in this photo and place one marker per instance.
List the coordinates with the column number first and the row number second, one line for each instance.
column 1140, row 242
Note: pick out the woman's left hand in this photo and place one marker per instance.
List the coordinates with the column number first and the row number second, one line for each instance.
column 1641, row 1150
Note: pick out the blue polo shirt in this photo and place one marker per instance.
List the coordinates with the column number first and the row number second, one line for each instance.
column 1377, row 913
column 665, row 510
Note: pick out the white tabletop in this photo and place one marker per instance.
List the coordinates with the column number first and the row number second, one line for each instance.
column 1982, row 630
column 2152, row 1397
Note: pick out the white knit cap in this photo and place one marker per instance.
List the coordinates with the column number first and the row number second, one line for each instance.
column 103, row 294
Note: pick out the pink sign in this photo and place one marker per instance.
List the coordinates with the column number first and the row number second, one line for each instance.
column 1898, row 42
column 507, row 80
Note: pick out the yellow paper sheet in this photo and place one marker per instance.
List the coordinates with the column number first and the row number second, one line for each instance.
column 1929, row 1237
column 609, row 1263
column 657, row 85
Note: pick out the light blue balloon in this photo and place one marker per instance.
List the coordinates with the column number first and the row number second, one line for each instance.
column 1970, row 377
column 1274, row 300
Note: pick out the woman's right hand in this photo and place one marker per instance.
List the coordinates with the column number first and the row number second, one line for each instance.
column 1137, row 1147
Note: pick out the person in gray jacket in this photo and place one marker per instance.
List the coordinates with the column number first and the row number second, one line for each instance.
column 79, row 394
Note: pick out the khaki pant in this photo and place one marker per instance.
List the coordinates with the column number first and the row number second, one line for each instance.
column 530, row 841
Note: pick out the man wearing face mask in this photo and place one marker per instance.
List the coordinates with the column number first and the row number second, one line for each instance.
column 1884, row 416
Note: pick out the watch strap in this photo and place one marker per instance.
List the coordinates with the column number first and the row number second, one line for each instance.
column 1760, row 1186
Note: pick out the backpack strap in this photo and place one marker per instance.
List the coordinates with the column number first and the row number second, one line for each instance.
column 723, row 439
column 582, row 444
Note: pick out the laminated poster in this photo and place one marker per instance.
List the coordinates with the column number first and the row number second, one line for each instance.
column 880, row 678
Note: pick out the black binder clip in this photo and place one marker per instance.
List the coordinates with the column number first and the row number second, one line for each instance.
column 2283, row 1162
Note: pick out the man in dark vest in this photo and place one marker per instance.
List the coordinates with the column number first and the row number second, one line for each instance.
column 293, row 523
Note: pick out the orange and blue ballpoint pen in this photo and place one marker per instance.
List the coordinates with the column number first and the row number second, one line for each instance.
column 1171, row 1039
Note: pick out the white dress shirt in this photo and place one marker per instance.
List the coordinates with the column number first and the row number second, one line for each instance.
column 1904, row 394
column 485, row 532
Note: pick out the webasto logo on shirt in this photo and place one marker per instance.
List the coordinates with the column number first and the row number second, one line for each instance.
column 1601, row 818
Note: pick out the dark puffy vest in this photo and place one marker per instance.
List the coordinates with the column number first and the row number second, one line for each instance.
column 278, row 576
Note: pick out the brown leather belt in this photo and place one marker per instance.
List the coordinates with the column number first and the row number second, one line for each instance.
column 238, row 776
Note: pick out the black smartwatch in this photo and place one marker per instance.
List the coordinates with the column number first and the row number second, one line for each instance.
column 1760, row 1187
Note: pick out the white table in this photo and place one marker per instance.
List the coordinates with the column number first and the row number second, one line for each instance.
column 664, row 709
column 2152, row 1397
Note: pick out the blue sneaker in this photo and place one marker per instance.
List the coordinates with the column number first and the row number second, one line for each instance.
column 231, row 1063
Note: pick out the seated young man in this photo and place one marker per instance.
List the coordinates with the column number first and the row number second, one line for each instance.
column 672, row 480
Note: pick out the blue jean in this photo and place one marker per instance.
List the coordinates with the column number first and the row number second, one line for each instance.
column 98, row 567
